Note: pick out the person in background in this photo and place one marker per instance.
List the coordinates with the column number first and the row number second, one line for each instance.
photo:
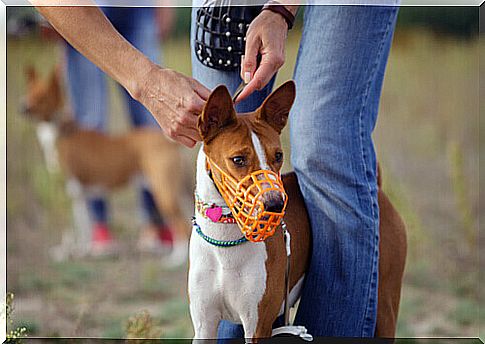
column 143, row 27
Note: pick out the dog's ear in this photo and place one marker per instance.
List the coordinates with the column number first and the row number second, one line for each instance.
column 276, row 107
column 30, row 73
column 218, row 113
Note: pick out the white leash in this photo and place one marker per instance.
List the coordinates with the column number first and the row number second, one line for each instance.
column 298, row 331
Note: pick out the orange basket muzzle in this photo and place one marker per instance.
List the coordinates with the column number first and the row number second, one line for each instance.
column 246, row 199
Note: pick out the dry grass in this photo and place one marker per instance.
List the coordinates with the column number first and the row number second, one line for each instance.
column 427, row 141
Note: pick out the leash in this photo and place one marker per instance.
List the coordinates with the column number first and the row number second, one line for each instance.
column 238, row 91
column 287, row 238
column 287, row 329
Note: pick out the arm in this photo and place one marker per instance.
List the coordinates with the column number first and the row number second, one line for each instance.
column 266, row 36
column 174, row 99
column 90, row 32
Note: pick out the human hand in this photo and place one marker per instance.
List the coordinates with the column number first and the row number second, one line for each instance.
column 175, row 101
column 266, row 36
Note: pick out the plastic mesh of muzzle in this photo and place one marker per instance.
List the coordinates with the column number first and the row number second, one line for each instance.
column 220, row 33
column 256, row 223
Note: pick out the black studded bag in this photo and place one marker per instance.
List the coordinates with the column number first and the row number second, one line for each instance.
column 221, row 33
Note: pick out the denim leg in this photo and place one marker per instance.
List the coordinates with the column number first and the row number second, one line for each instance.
column 211, row 78
column 87, row 91
column 138, row 26
column 98, row 209
column 86, row 86
column 339, row 74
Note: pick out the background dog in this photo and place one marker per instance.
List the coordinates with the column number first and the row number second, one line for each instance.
column 95, row 161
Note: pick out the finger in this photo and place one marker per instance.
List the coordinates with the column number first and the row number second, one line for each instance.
column 242, row 68
column 189, row 120
column 188, row 142
column 261, row 78
column 191, row 133
column 201, row 90
column 195, row 105
column 250, row 62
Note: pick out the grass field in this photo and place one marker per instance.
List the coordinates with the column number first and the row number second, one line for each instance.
column 427, row 141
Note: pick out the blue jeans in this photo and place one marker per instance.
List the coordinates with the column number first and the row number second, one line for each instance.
column 89, row 97
column 339, row 73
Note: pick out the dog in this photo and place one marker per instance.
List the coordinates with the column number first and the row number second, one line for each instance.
column 94, row 161
column 245, row 283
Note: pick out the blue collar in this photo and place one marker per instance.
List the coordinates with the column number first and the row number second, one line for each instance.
column 215, row 242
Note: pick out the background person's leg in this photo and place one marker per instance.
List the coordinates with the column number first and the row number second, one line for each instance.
column 139, row 27
column 339, row 75
column 87, row 96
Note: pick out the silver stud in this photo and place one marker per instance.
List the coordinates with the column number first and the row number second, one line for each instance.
column 199, row 52
column 239, row 38
column 244, row 39
column 228, row 20
column 228, row 62
column 220, row 61
column 208, row 59
column 229, row 48
column 235, row 65
column 241, row 25
column 228, row 34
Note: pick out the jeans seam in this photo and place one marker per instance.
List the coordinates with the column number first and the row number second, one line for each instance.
column 367, row 320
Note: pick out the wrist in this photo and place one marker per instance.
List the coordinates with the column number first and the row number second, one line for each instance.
column 142, row 69
column 286, row 12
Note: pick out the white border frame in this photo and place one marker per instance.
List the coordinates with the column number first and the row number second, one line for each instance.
column 3, row 171
column 128, row 3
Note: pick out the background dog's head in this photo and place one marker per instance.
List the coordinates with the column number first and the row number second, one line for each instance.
column 245, row 143
column 43, row 98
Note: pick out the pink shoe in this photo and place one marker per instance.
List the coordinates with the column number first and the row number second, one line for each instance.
column 155, row 239
column 165, row 234
column 102, row 243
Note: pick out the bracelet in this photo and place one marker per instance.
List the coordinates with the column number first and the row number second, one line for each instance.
column 276, row 7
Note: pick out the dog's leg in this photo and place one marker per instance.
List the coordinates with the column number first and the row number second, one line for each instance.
column 167, row 191
column 47, row 136
column 205, row 321
column 80, row 214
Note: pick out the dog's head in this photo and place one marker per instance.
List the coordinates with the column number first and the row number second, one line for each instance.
column 43, row 98
column 246, row 143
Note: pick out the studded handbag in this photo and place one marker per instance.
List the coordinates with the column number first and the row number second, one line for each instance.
column 220, row 34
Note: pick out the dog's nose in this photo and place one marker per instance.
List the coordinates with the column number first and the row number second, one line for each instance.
column 274, row 204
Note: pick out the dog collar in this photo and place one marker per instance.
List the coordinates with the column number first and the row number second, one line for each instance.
column 213, row 212
column 215, row 242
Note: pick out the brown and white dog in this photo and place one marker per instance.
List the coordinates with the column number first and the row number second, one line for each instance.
column 246, row 283
column 94, row 161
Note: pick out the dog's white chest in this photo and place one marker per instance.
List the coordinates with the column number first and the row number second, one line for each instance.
column 231, row 279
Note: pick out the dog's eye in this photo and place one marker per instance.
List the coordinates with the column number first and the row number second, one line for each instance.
column 279, row 157
column 239, row 161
